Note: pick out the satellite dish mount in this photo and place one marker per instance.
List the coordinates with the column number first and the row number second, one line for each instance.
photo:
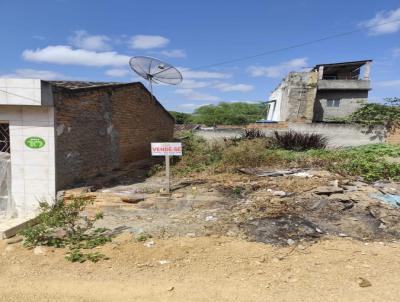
column 155, row 71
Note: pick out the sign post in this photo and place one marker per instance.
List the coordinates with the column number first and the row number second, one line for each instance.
column 167, row 150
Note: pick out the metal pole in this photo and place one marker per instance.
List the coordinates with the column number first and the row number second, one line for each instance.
column 167, row 172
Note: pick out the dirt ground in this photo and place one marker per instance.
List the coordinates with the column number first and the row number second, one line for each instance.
column 308, row 236
column 206, row 269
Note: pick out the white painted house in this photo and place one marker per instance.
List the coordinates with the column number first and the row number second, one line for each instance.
column 27, row 128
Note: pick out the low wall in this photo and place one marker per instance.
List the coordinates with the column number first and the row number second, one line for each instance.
column 339, row 135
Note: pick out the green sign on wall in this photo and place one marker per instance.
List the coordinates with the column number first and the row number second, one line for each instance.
column 35, row 142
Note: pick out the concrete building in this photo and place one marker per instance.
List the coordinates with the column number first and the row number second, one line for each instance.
column 326, row 93
column 58, row 133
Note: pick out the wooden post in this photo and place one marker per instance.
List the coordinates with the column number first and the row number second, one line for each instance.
column 167, row 172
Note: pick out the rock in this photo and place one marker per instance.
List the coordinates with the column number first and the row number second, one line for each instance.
column 191, row 235
column 162, row 262
column 132, row 199
column 14, row 240
column 362, row 282
column 291, row 241
column 40, row 250
column 339, row 197
column 327, row 190
column 170, row 289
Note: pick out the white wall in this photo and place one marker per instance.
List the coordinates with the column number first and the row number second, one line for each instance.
column 275, row 114
column 32, row 170
column 31, row 92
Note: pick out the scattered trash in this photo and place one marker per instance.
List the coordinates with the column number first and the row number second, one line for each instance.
column 277, row 193
column 162, row 262
column 391, row 199
column 362, row 282
column 149, row 243
column 276, row 173
column 303, row 174
column 211, row 218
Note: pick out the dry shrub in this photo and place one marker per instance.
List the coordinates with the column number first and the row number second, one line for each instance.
column 297, row 141
column 245, row 153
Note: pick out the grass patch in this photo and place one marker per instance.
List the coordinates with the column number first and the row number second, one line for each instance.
column 369, row 161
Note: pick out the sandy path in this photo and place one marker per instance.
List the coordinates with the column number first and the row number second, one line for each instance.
column 206, row 269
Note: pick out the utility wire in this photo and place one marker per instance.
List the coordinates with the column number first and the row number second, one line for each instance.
column 294, row 46
column 267, row 52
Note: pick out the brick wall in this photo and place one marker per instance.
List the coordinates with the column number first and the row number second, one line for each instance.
column 393, row 137
column 100, row 129
column 139, row 120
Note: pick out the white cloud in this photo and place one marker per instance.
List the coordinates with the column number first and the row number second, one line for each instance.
column 225, row 87
column 175, row 53
column 276, row 71
column 147, row 42
column 81, row 39
column 389, row 83
column 117, row 73
column 193, row 95
column 35, row 74
column 198, row 74
column 61, row 54
column 190, row 84
column 388, row 17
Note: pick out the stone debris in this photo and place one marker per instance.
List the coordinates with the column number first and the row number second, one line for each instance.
column 40, row 250
column 362, row 282
column 272, row 209
column 14, row 240
column 328, row 190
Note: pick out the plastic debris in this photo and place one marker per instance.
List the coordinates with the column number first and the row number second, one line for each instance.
column 391, row 199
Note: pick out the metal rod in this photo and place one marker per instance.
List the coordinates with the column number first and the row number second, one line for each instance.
column 167, row 173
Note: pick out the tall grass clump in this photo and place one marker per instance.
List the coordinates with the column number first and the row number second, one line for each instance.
column 297, row 141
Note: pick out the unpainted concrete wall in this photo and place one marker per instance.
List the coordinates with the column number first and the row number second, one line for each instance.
column 295, row 97
column 350, row 101
column 339, row 135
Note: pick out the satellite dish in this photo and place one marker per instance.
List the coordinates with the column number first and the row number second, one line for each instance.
column 155, row 71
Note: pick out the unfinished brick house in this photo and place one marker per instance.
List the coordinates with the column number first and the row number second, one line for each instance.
column 59, row 132
column 328, row 92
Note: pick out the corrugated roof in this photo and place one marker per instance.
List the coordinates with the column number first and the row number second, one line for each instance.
column 84, row 84
column 339, row 64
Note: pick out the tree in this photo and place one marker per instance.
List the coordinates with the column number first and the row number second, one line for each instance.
column 372, row 114
column 180, row 117
column 228, row 114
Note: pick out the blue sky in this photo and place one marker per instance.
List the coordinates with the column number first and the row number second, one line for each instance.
column 93, row 40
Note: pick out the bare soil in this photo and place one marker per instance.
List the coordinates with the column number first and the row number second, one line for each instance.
column 206, row 269
column 225, row 237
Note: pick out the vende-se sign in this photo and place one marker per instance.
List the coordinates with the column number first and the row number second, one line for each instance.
column 163, row 149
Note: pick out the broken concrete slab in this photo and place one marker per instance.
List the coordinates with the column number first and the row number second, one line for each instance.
column 327, row 190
